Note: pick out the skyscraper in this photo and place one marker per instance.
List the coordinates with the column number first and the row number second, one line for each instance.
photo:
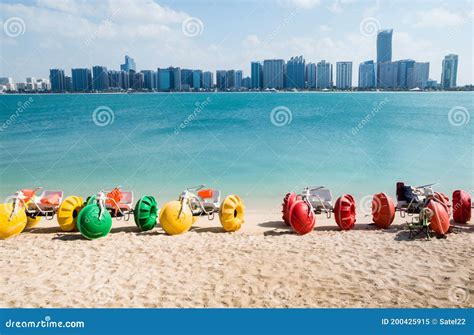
column 30, row 83
column 367, row 74
column 384, row 54
column 164, row 79
column 157, row 80
column 115, row 79
column 67, row 83
column 6, row 83
column 81, row 80
column 186, row 79
column 324, row 74
column 42, row 84
column 175, row 78
column 449, row 71
column 257, row 75
column 136, row 80
column 58, row 80
column 148, row 79
column 221, row 80
column 246, row 82
column 7, row 80
column 384, row 45
column 343, row 75
column 128, row 65
column 274, row 73
column 421, row 74
column 207, row 80
column 230, row 80
column 295, row 69
column 406, row 76
column 311, row 75
column 238, row 79
column 387, row 75
column 197, row 80
column 100, row 78
column 125, row 79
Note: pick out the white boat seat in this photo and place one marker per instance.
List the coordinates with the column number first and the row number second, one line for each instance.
column 210, row 198
column 321, row 198
column 47, row 201
column 126, row 202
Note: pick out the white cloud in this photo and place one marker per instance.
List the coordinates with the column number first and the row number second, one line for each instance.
column 105, row 19
column 251, row 41
column 144, row 11
column 405, row 46
column 325, row 28
column 67, row 6
column 438, row 17
column 335, row 7
column 373, row 9
column 305, row 4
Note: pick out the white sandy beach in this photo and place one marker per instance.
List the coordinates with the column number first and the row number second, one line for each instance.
column 262, row 265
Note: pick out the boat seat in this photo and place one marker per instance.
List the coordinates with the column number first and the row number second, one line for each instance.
column 125, row 203
column 48, row 200
column 127, row 200
column 210, row 198
column 321, row 198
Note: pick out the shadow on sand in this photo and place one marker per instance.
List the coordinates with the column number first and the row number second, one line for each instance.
column 69, row 237
column 279, row 228
column 278, row 232
column 215, row 230
column 44, row 230
column 125, row 229
column 273, row 224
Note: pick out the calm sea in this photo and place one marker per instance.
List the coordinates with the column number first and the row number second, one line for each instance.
column 256, row 145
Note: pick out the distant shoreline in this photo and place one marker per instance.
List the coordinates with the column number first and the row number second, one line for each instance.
column 237, row 92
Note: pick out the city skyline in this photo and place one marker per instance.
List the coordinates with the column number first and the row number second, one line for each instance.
column 272, row 74
column 294, row 74
column 79, row 35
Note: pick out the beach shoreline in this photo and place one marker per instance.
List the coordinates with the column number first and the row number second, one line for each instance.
column 262, row 265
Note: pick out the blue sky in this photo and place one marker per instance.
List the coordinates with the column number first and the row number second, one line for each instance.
column 228, row 34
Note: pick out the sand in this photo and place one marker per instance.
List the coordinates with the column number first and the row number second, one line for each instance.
column 262, row 265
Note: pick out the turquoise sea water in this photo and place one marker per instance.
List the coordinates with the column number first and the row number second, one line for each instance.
column 158, row 144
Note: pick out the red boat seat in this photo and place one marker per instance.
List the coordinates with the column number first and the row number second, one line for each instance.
column 206, row 194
